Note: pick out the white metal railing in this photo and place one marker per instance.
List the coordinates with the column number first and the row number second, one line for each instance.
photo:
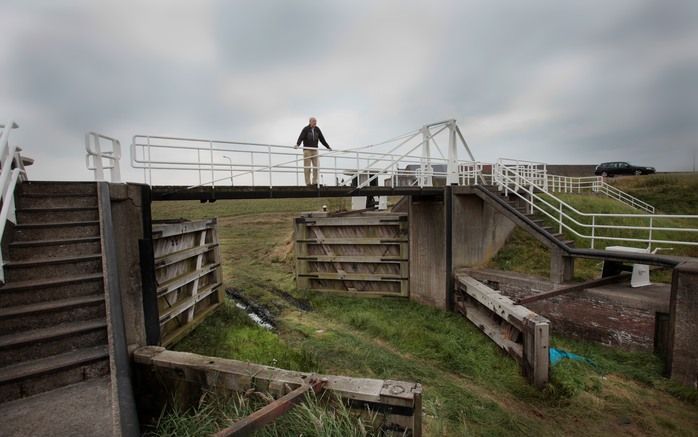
column 535, row 173
column 595, row 184
column 95, row 157
column 673, row 229
column 11, row 172
column 409, row 161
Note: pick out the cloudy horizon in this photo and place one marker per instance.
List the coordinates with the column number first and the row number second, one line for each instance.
column 559, row 82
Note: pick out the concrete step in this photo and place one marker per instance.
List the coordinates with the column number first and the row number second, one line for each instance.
column 41, row 343
column 26, row 250
column 50, row 313
column 29, row 201
column 48, row 231
column 52, row 215
column 37, row 376
column 52, row 267
column 53, row 188
column 41, row 290
column 76, row 410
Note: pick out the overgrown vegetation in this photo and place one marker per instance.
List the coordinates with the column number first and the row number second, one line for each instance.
column 317, row 416
column 470, row 386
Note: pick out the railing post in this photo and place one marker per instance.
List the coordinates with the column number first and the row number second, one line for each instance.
column 649, row 243
column 426, row 158
column 97, row 157
column 198, row 163
column 560, row 208
column 213, row 174
column 252, row 166
column 452, row 177
column 593, row 230
column 269, row 162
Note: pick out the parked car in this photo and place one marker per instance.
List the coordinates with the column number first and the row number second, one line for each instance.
column 621, row 168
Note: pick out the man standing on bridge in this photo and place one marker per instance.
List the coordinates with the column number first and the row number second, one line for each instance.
column 309, row 137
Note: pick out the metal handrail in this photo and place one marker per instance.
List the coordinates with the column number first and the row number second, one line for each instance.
column 11, row 171
column 567, row 184
column 155, row 152
column 507, row 176
column 94, row 151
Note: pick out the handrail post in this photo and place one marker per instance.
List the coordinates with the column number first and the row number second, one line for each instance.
column 560, row 229
column 649, row 246
column 213, row 174
column 593, row 230
column 269, row 162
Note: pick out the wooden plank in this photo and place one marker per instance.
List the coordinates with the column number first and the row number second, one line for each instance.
column 185, row 304
column 178, row 334
column 574, row 287
column 353, row 259
column 378, row 277
column 504, row 322
column 364, row 241
column 353, row 221
column 181, row 255
column 240, row 376
column 494, row 331
column 163, row 230
column 363, row 293
column 181, row 280
column 496, row 302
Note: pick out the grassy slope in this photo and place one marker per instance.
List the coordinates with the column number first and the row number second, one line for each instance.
column 670, row 194
column 470, row 386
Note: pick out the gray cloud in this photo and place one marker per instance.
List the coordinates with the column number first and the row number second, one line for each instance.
column 553, row 81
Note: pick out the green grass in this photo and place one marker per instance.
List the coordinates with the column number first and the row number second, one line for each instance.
column 317, row 416
column 470, row 386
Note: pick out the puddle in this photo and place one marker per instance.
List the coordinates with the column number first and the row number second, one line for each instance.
column 256, row 318
column 259, row 314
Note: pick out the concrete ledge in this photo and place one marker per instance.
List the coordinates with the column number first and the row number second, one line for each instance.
column 159, row 370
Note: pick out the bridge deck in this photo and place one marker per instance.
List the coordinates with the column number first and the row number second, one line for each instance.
column 208, row 193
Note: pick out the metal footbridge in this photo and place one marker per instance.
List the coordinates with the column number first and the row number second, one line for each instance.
column 422, row 162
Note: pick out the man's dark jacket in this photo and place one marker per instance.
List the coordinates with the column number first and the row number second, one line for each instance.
column 309, row 137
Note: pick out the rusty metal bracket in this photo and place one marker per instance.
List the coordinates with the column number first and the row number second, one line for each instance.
column 272, row 411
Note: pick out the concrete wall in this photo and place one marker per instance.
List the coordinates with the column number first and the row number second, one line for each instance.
column 428, row 270
column 127, row 216
column 614, row 314
column 682, row 359
column 479, row 231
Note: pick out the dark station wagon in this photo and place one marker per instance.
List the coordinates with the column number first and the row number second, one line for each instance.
column 621, row 168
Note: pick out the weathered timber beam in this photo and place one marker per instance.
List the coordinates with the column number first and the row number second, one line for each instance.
column 399, row 400
column 574, row 287
column 272, row 411
column 163, row 230
column 522, row 333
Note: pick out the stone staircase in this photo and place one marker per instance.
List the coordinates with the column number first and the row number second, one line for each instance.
column 53, row 325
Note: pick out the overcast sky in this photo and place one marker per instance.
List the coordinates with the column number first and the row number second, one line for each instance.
column 554, row 81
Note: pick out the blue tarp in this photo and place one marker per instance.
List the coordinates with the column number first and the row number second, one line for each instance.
column 556, row 355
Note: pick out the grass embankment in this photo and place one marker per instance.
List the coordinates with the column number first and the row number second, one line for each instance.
column 670, row 194
column 470, row 386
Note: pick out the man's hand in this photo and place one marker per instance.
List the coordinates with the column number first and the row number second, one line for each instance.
column 296, row 146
